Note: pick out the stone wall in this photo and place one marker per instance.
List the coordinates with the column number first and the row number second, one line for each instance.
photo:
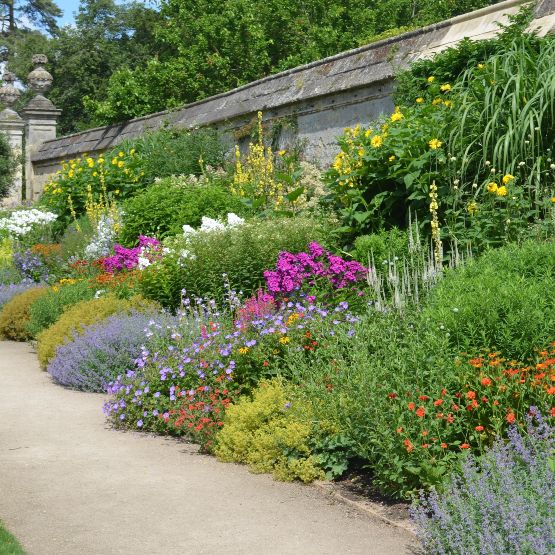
column 312, row 103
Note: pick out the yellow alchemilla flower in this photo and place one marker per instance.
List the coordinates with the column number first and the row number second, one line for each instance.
column 436, row 101
column 502, row 191
column 492, row 187
column 391, row 158
column 446, row 87
column 284, row 340
column 508, row 178
column 396, row 116
column 419, row 100
column 434, row 144
column 376, row 141
column 431, row 79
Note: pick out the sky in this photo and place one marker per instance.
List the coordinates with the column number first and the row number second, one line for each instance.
column 68, row 7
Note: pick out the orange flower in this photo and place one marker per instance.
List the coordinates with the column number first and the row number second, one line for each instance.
column 443, row 392
column 438, row 402
column 399, row 429
column 450, row 419
column 476, row 362
column 424, row 433
column 550, row 390
column 486, row 382
column 420, row 412
column 411, row 406
column 408, row 445
column 465, row 446
column 479, row 428
column 444, row 445
column 471, row 395
column 552, row 412
column 423, row 398
column 510, row 418
column 425, row 445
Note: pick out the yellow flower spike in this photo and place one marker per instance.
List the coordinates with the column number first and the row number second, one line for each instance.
column 502, row 191
column 508, row 178
column 431, row 79
column 419, row 100
column 446, row 87
column 376, row 141
column 434, row 144
column 492, row 187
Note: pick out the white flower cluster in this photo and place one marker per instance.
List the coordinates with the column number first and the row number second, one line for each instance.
column 22, row 222
column 209, row 225
column 103, row 239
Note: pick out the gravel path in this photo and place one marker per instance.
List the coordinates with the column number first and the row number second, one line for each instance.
column 71, row 485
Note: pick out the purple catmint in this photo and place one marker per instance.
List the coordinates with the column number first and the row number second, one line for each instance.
column 503, row 502
column 30, row 265
column 103, row 351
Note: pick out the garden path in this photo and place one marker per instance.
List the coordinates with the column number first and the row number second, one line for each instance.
column 71, row 485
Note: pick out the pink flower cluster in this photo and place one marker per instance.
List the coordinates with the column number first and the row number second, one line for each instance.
column 293, row 271
column 128, row 259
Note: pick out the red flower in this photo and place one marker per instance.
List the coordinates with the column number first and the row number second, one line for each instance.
column 479, row 428
column 552, row 412
column 392, row 395
column 486, row 381
column 423, row 398
column 465, row 446
column 450, row 419
column 420, row 412
column 408, row 445
column 510, row 418
column 443, row 392
column 411, row 406
column 444, row 445
column 471, row 395
column 438, row 402
column 425, row 445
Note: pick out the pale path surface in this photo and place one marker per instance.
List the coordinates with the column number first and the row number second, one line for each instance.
column 71, row 485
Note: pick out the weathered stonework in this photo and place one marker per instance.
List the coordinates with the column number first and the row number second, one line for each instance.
column 322, row 97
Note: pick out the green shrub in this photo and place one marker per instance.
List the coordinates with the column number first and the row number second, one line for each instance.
column 48, row 308
column 269, row 434
column 500, row 301
column 177, row 152
column 15, row 314
column 8, row 164
column 242, row 253
column 82, row 314
column 166, row 206
column 381, row 247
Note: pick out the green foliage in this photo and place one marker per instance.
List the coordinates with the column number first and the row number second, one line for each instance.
column 15, row 314
column 382, row 246
column 8, row 544
column 7, row 166
column 81, row 314
column 270, row 434
column 484, row 141
column 242, row 253
column 172, row 151
column 203, row 45
column 46, row 310
column 498, row 302
column 164, row 207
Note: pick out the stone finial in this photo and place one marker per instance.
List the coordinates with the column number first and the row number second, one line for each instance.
column 9, row 94
column 39, row 79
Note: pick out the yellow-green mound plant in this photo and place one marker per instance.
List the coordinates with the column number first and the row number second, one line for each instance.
column 15, row 314
column 80, row 315
column 270, row 433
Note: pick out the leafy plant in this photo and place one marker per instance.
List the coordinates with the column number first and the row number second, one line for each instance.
column 8, row 164
column 14, row 316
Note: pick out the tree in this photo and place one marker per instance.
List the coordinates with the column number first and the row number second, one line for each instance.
column 205, row 47
column 29, row 13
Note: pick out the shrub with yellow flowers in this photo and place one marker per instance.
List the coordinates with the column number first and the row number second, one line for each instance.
column 89, row 179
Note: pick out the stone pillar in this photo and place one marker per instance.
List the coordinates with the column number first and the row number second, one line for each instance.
column 41, row 117
column 12, row 125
